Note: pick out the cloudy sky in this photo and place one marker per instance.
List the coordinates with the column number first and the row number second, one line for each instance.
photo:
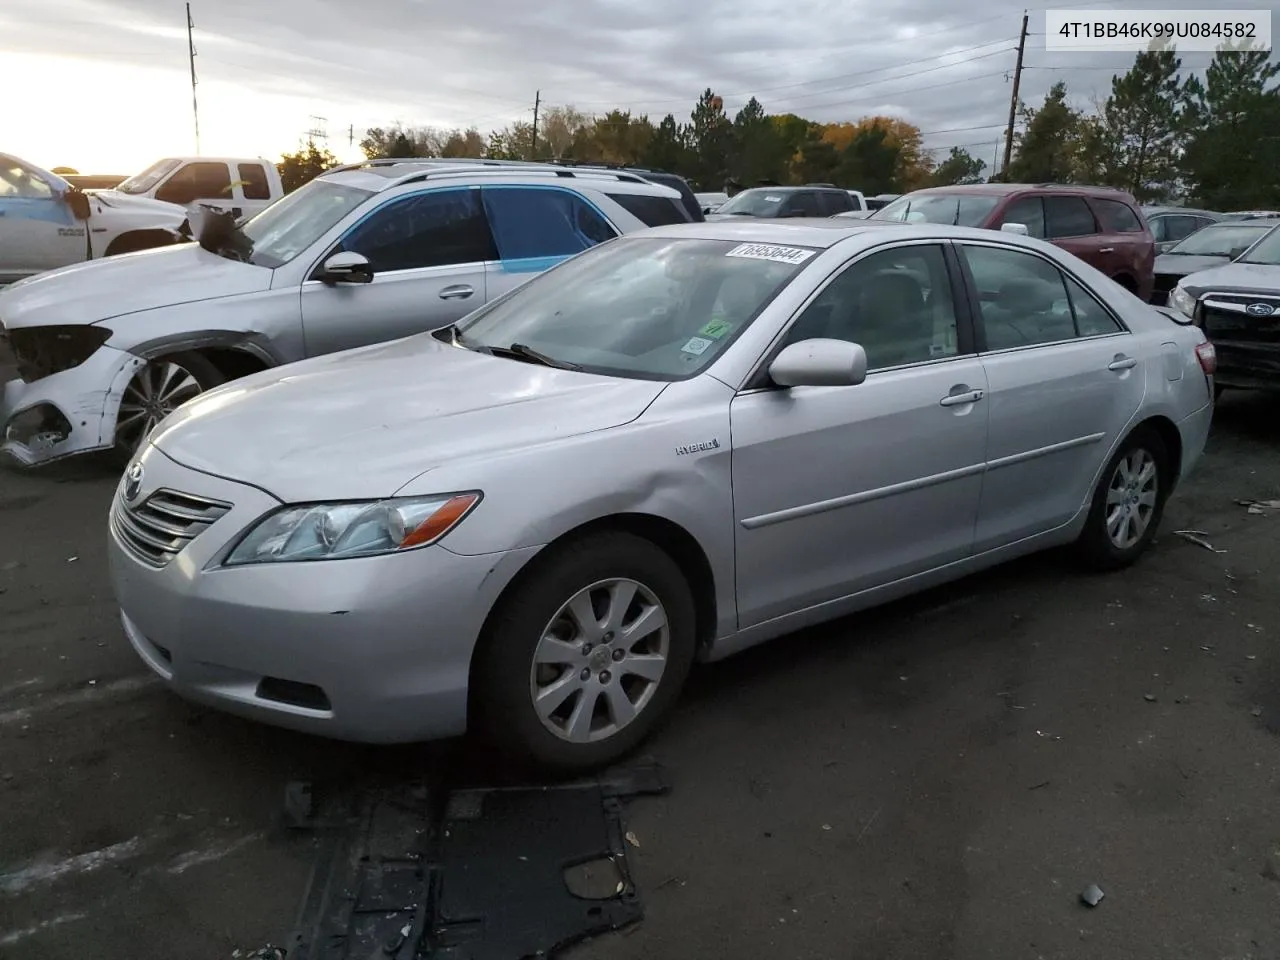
column 103, row 85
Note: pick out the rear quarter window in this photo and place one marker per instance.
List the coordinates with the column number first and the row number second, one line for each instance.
column 651, row 211
column 1117, row 216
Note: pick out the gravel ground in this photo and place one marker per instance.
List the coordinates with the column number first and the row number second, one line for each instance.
column 940, row 778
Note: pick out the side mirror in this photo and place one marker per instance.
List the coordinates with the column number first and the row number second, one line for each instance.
column 78, row 201
column 1019, row 228
column 346, row 267
column 819, row 363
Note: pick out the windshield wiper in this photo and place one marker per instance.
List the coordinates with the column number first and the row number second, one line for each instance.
column 521, row 351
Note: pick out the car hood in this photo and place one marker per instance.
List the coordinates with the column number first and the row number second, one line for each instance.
column 98, row 290
column 1236, row 278
column 116, row 200
column 363, row 423
column 1180, row 265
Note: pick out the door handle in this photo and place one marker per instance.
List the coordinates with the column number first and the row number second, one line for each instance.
column 459, row 292
column 1107, row 250
column 1122, row 363
column 955, row 399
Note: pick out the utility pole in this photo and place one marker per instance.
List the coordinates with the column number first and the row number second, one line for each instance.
column 191, row 57
column 351, row 135
column 533, row 148
column 1013, row 101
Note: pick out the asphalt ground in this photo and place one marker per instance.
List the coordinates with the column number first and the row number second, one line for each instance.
column 939, row 778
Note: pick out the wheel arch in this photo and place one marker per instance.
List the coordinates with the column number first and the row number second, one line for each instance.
column 670, row 537
column 235, row 353
column 143, row 238
column 1170, row 437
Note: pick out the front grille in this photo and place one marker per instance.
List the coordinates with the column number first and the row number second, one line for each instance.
column 159, row 528
column 1224, row 318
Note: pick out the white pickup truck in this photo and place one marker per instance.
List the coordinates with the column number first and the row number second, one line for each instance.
column 239, row 185
column 46, row 223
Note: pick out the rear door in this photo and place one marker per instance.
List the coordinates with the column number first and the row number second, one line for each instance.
column 428, row 250
column 1127, row 243
column 536, row 227
column 1064, row 382
column 1027, row 210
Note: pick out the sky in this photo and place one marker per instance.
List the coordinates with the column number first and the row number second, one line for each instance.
column 104, row 86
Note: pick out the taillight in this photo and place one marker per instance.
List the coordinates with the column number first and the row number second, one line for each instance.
column 1208, row 358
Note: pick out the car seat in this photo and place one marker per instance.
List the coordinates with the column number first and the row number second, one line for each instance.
column 1023, row 313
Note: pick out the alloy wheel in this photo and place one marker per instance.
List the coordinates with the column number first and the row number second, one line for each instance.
column 599, row 661
column 155, row 391
column 1132, row 497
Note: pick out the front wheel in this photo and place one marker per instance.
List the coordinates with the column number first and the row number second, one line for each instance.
column 1128, row 503
column 156, row 390
column 587, row 656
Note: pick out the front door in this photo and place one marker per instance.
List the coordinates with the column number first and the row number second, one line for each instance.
column 428, row 251
column 1064, row 383
column 206, row 183
column 536, row 227
column 38, row 231
column 839, row 489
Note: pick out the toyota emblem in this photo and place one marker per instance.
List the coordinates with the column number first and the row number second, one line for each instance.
column 133, row 481
column 1260, row 309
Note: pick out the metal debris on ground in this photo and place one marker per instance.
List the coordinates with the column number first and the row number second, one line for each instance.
column 1259, row 507
column 633, row 840
column 1198, row 538
column 1092, row 895
column 407, row 873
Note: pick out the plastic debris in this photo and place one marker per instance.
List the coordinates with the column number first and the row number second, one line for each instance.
column 1092, row 895
column 1198, row 538
column 826, row 826
column 1149, row 697
column 633, row 840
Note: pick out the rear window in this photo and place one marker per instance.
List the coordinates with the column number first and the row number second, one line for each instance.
column 651, row 211
column 253, row 181
column 680, row 186
column 1117, row 216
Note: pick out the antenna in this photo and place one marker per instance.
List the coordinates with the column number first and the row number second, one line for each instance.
column 191, row 57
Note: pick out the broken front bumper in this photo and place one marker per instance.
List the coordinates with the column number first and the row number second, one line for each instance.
column 66, row 413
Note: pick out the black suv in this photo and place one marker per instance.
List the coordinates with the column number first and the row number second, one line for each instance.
column 812, row 200
column 663, row 179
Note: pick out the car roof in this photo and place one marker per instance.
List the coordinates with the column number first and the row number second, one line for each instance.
column 819, row 232
column 1005, row 189
column 1189, row 211
column 379, row 175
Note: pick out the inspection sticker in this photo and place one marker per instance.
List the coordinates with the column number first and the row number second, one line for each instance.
column 765, row 251
column 696, row 346
column 716, row 329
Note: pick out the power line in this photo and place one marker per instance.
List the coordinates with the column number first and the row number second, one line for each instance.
column 191, row 58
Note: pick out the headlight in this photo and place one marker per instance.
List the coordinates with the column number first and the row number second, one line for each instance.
column 1183, row 302
column 334, row 531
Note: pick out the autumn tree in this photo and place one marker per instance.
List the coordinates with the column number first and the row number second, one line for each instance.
column 399, row 141
column 959, row 167
column 559, row 130
column 463, row 143
column 307, row 163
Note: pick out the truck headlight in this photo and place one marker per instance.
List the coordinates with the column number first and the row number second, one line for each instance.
column 1183, row 302
column 335, row 531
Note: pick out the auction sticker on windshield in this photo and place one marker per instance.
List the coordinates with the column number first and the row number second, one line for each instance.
column 716, row 329
column 696, row 345
column 765, row 251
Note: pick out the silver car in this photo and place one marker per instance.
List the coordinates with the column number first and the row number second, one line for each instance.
column 671, row 447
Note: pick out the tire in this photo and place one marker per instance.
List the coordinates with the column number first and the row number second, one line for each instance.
column 1096, row 546
column 506, row 679
column 155, row 391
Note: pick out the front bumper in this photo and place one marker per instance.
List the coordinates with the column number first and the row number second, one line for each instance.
column 1246, row 365
column 375, row 650
column 66, row 413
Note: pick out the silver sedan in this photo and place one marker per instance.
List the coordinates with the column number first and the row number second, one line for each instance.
column 674, row 446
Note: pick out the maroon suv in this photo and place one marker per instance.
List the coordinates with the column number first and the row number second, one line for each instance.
column 1103, row 227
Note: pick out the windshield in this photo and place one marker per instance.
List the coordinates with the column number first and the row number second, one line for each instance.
column 761, row 202
column 638, row 307
column 1266, row 251
column 1226, row 240
column 949, row 208
column 148, row 178
column 294, row 222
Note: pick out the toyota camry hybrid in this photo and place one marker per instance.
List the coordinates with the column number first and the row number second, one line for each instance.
column 673, row 446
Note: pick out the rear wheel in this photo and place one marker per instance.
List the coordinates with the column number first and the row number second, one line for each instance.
column 1128, row 503
column 156, row 390
column 587, row 656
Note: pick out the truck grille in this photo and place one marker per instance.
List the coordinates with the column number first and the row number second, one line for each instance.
column 1225, row 317
column 159, row 528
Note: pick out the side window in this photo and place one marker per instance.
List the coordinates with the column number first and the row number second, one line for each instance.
column 542, row 222
column 433, row 229
column 1160, row 229
column 1092, row 318
column 802, row 203
column 835, row 201
column 253, row 181
column 201, row 180
column 896, row 303
column 1117, row 217
column 1028, row 211
column 1022, row 299
column 17, row 181
column 651, row 211
column 1068, row 217
column 1183, row 226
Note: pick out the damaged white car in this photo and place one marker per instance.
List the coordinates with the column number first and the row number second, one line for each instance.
column 104, row 351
